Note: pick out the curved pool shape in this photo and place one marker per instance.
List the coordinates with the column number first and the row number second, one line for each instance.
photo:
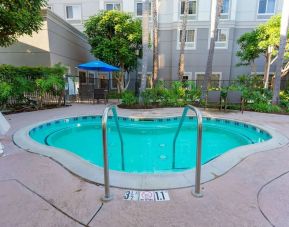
column 148, row 143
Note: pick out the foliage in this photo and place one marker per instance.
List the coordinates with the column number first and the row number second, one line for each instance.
column 284, row 99
column 252, row 89
column 19, row 18
column 266, row 108
column 114, row 95
column 128, row 98
column 180, row 94
column 6, row 90
column 249, row 49
column 254, row 43
column 17, row 82
column 115, row 37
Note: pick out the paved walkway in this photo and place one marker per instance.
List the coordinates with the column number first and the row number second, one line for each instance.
column 37, row 191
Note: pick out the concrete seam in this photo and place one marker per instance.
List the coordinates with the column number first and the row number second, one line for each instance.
column 95, row 214
column 259, row 192
column 41, row 197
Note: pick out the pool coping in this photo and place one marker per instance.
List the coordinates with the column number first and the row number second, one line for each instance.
column 148, row 181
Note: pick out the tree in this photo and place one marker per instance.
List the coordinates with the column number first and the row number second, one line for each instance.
column 283, row 39
column 19, row 18
column 268, row 35
column 181, row 67
column 249, row 50
column 115, row 37
column 145, row 47
column 155, row 40
column 264, row 40
column 215, row 14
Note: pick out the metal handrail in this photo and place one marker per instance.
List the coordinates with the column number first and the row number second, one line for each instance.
column 107, row 196
column 197, row 192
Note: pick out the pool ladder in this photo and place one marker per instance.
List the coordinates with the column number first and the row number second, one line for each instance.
column 107, row 195
column 197, row 189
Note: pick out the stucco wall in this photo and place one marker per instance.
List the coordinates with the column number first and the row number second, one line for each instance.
column 56, row 42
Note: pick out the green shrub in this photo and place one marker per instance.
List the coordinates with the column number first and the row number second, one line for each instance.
column 128, row 98
column 24, row 79
column 114, row 95
column 6, row 91
column 266, row 108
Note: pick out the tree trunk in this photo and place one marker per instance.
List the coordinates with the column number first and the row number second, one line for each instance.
column 181, row 68
column 267, row 68
column 283, row 37
column 145, row 40
column 215, row 15
column 253, row 67
column 155, row 40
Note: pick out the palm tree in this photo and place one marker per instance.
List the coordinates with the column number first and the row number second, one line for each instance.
column 181, row 67
column 215, row 15
column 155, row 40
column 280, row 60
column 145, row 47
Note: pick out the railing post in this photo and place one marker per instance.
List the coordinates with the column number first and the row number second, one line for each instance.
column 197, row 189
column 107, row 195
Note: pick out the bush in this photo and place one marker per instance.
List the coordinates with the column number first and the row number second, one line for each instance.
column 266, row 108
column 252, row 89
column 6, row 91
column 128, row 98
column 24, row 79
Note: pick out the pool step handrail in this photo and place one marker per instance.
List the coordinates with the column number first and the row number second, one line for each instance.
column 107, row 195
column 197, row 192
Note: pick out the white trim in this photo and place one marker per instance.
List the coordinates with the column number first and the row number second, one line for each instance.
column 226, row 31
column 188, row 45
column 189, row 75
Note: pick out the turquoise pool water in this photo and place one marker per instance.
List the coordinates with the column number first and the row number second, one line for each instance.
column 148, row 143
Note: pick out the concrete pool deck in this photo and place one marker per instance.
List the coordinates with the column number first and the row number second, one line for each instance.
column 37, row 191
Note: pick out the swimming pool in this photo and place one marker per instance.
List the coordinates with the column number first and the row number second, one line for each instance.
column 148, row 143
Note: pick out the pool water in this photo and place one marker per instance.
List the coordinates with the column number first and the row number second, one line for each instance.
column 148, row 143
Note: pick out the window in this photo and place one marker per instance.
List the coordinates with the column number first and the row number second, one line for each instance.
column 73, row 12
column 187, row 76
column 190, row 39
column 222, row 38
column 214, row 81
column 113, row 81
column 192, row 7
column 139, row 8
column 266, row 8
column 91, row 77
column 225, row 9
column 192, row 14
column 190, row 36
column 82, row 77
column 112, row 6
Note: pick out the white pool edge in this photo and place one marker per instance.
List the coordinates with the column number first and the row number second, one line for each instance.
column 153, row 181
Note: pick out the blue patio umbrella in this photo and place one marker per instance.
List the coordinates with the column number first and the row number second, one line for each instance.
column 98, row 66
